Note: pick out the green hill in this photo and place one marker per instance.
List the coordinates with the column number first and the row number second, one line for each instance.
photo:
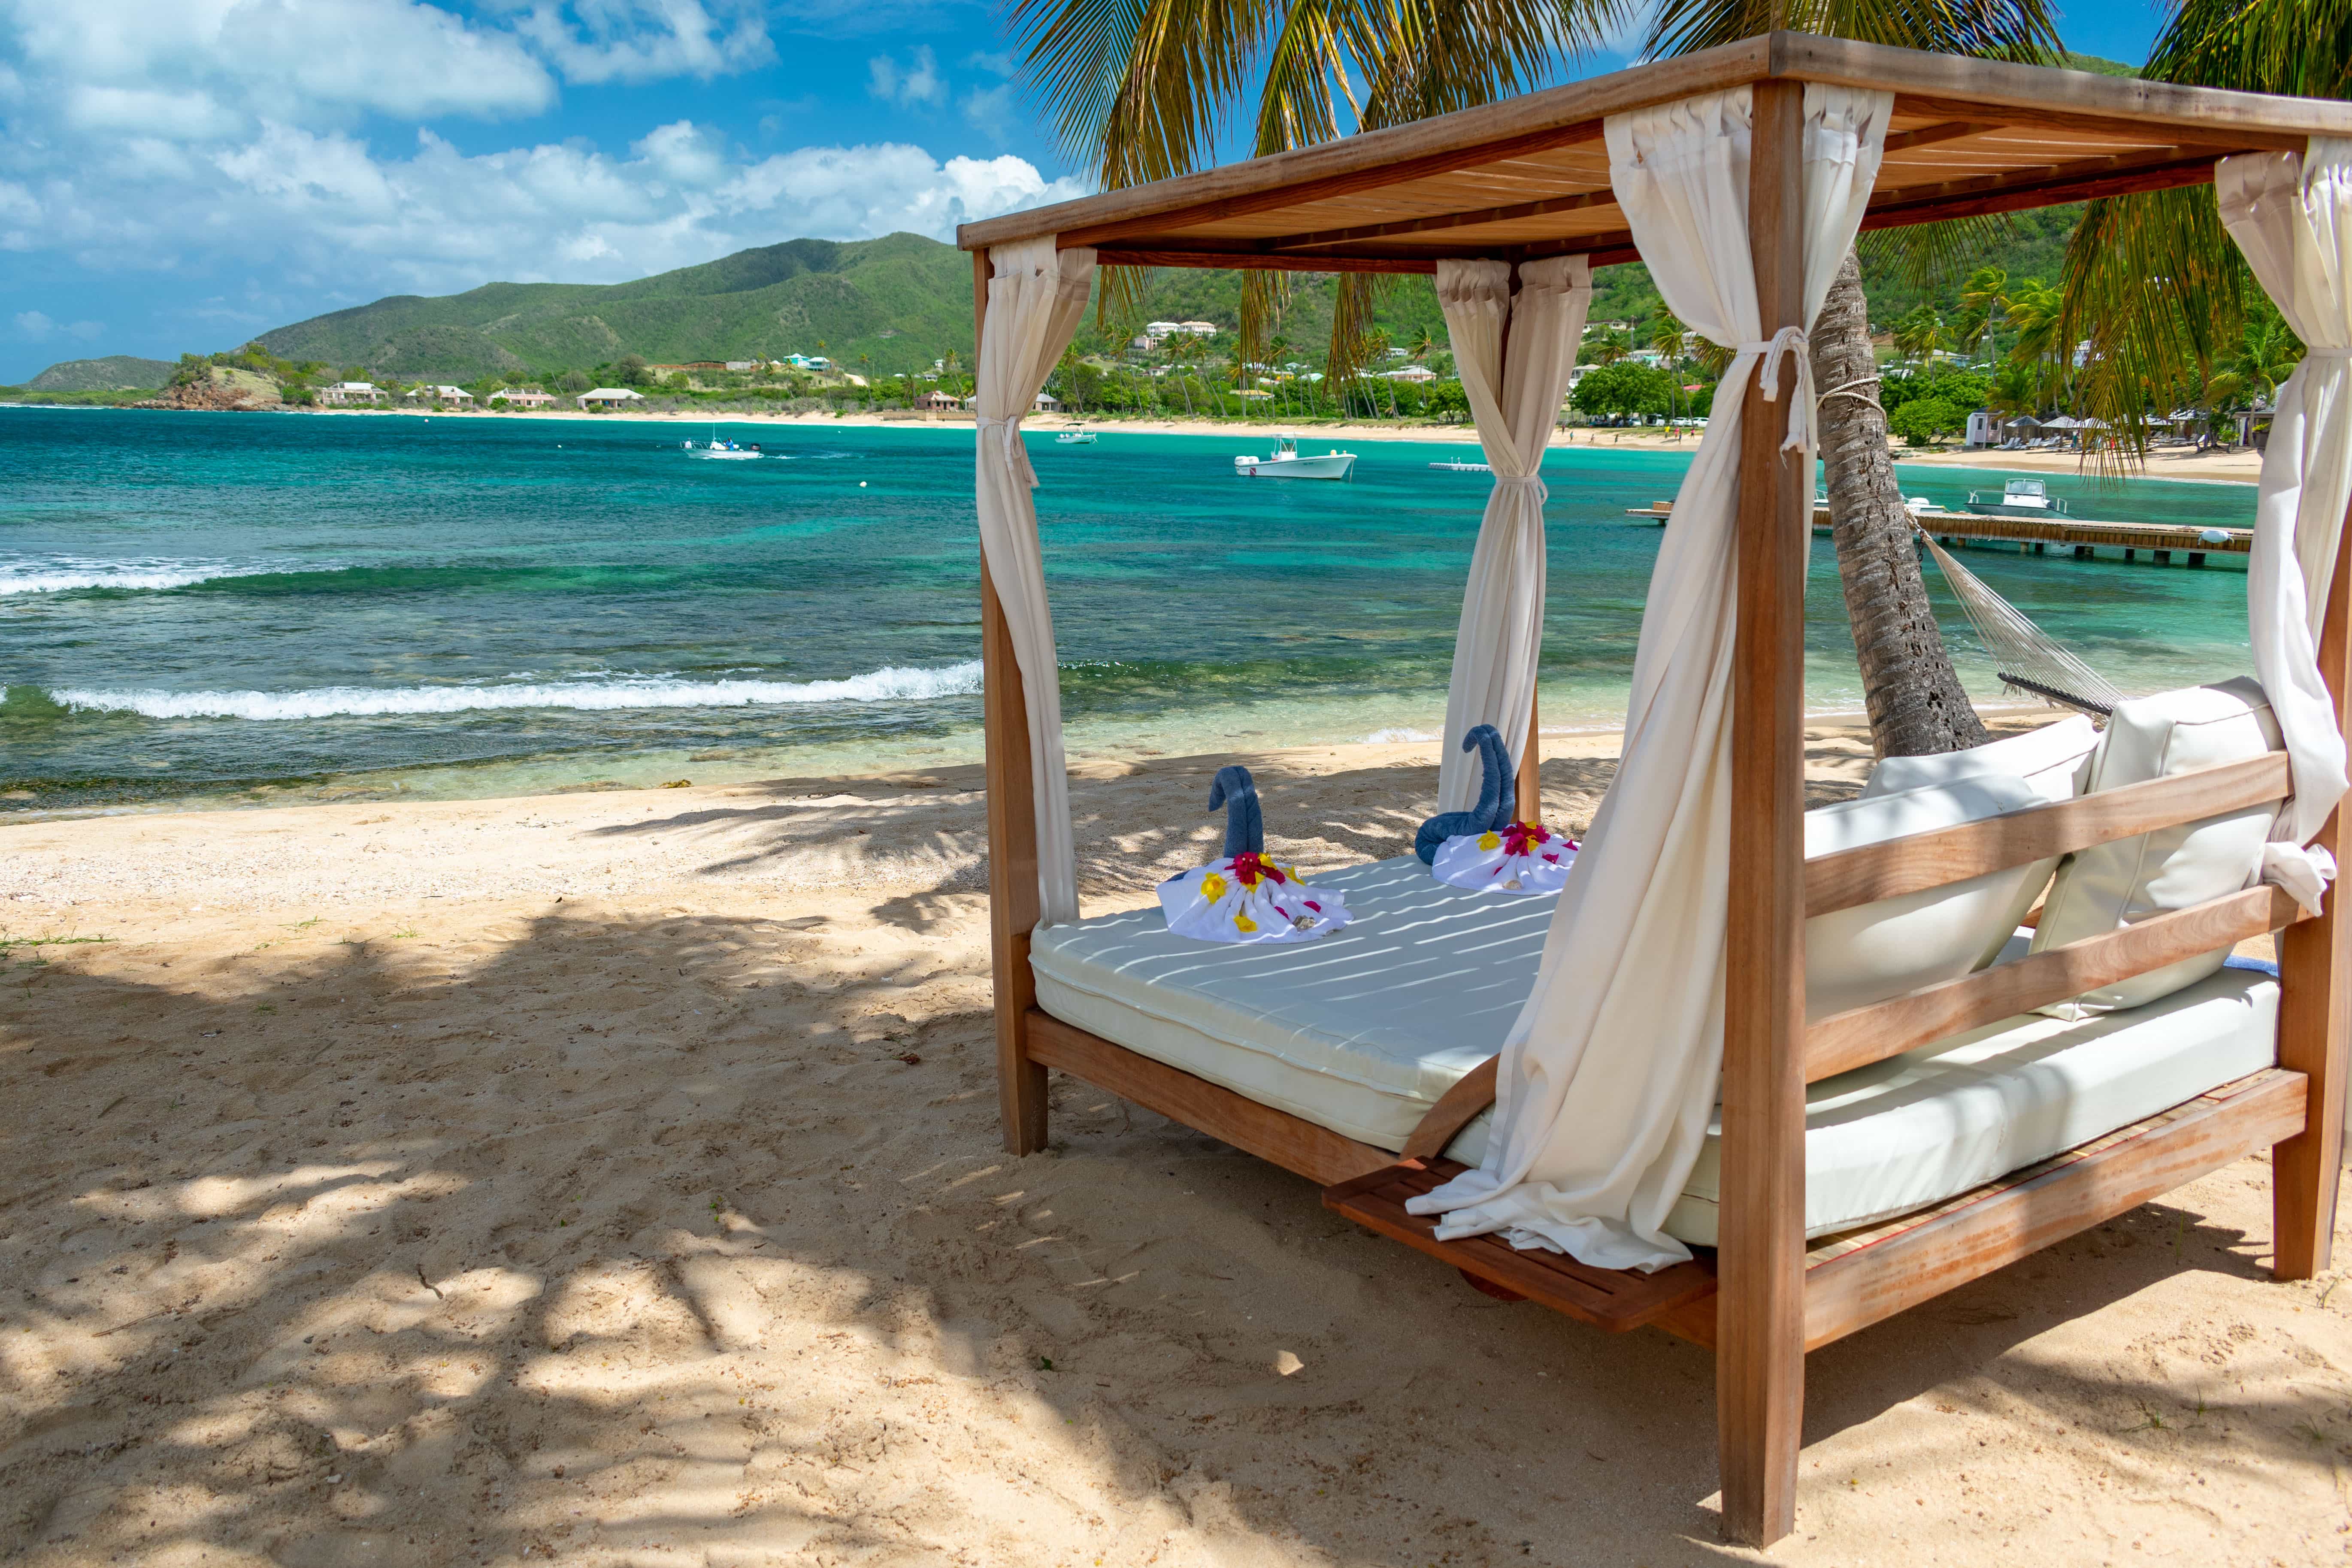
column 898, row 303
column 892, row 305
column 115, row 373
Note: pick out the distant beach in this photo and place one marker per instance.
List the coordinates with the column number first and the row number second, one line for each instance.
column 2241, row 467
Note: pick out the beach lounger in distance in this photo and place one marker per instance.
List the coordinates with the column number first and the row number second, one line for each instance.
column 1528, row 178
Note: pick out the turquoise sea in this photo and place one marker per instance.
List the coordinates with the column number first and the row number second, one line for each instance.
column 230, row 608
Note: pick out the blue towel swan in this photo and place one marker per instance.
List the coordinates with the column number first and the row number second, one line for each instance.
column 1492, row 812
column 1234, row 789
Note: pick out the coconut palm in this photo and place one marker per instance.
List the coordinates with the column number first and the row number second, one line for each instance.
column 1606, row 347
column 1915, row 698
column 1984, row 300
column 1920, row 333
column 2153, row 283
column 1139, row 89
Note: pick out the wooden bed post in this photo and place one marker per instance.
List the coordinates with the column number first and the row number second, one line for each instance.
column 1012, row 837
column 1759, row 1370
column 2314, row 999
column 1530, row 784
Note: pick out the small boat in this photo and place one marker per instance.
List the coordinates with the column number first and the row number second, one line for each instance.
column 1656, row 512
column 1075, row 435
column 1920, row 506
column 1465, row 467
column 2019, row 498
column 1286, row 464
column 732, row 450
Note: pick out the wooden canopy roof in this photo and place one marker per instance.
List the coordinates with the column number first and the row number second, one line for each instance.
column 1529, row 176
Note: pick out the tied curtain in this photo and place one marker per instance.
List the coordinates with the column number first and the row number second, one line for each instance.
column 1609, row 1077
column 1036, row 298
column 2292, row 216
column 1513, row 393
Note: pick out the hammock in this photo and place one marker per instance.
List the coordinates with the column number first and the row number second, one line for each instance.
column 2024, row 655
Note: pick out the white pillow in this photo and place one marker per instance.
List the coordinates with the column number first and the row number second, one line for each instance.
column 2111, row 885
column 2055, row 758
column 1875, row 952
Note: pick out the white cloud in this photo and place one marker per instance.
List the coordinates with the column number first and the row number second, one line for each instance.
column 919, row 82
column 990, row 109
column 222, row 139
column 324, row 210
column 999, row 64
column 644, row 40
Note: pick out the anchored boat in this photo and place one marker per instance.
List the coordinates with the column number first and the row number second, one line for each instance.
column 2019, row 498
column 1286, row 464
column 1075, row 435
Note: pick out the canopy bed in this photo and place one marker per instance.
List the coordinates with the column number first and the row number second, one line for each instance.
column 1755, row 1076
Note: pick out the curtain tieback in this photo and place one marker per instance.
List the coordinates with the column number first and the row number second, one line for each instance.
column 1532, row 483
column 1791, row 341
column 1016, row 451
column 2327, row 353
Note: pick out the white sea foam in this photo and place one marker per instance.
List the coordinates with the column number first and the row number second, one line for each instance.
column 66, row 576
column 894, row 683
column 1395, row 737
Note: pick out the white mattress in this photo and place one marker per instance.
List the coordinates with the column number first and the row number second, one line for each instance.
column 1363, row 1031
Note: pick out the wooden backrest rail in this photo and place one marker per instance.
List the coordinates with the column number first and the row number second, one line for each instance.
column 1861, row 1036
column 1947, row 855
column 1457, row 1107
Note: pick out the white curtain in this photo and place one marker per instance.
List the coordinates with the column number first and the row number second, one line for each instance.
column 1514, row 395
column 2293, row 217
column 1609, row 1075
column 1035, row 300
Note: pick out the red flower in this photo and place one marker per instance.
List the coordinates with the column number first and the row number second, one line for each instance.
column 1250, row 865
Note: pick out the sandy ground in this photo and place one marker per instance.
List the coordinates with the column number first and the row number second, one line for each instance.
column 613, row 1178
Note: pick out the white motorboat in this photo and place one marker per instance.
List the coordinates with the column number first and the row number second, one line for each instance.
column 731, row 451
column 2019, row 498
column 1286, row 464
column 1075, row 435
column 1920, row 506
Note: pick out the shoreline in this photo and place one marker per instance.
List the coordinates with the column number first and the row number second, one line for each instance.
column 2212, row 468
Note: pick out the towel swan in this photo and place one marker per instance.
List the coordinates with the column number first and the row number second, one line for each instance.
column 1245, row 896
column 1234, row 789
column 1491, row 812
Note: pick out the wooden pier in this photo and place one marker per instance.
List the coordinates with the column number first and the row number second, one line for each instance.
column 2035, row 535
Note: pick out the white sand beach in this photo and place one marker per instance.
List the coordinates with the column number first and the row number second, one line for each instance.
column 612, row 1178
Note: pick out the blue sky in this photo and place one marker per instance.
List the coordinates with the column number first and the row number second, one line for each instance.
column 180, row 175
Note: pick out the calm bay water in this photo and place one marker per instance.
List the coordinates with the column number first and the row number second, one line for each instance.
column 239, row 607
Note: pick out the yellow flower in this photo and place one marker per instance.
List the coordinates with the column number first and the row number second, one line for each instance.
column 1490, row 841
column 1243, row 922
column 1212, row 887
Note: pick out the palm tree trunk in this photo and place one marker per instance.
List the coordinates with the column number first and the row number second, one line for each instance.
column 1917, row 705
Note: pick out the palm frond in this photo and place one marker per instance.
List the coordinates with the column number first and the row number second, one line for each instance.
column 2153, row 283
column 1991, row 29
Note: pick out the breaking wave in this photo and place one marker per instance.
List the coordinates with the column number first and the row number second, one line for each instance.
column 894, row 683
column 71, row 577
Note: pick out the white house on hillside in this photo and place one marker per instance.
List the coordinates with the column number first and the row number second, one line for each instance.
column 522, row 397
column 349, row 392
column 609, row 397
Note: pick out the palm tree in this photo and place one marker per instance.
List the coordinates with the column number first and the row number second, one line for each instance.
column 1667, row 338
column 1140, row 87
column 1917, row 703
column 1984, row 298
column 1606, row 347
column 2153, row 283
column 1920, row 333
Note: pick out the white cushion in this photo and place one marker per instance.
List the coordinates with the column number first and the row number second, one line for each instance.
column 2055, row 758
column 1363, row 1031
column 2111, row 885
column 1875, row 952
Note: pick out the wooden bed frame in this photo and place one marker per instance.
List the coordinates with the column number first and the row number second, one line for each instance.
column 1526, row 177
